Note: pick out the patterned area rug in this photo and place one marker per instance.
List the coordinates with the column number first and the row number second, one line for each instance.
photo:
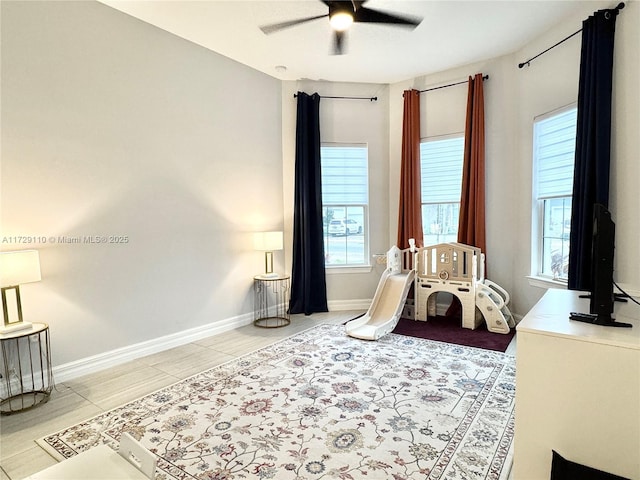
column 322, row 405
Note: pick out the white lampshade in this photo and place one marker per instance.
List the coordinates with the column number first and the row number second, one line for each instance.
column 268, row 241
column 19, row 267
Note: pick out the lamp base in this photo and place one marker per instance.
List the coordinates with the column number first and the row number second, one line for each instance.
column 14, row 327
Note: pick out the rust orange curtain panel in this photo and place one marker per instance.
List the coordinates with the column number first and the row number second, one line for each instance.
column 471, row 226
column 410, row 211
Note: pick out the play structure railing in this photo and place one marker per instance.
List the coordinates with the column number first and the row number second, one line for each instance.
column 453, row 268
column 452, row 261
column 458, row 269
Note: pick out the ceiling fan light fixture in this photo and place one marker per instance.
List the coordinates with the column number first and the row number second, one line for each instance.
column 343, row 13
column 341, row 20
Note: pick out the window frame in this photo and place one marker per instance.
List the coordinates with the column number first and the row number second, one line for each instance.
column 435, row 138
column 538, row 277
column 349, row 267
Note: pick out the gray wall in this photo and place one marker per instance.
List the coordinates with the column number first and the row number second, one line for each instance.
column 513, row 98
column 113, row 127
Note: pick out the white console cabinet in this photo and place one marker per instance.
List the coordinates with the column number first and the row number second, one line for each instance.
column 577, row 391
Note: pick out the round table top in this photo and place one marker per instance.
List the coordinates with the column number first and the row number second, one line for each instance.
column 33, row 328
column 271, row 276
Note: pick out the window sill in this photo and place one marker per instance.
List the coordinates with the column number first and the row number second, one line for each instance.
column 334, row 270
column 545, row 282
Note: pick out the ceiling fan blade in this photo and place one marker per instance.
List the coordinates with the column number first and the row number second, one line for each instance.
column 267, row 29
column 354, row 3
column 366, row 15
column 339, row 40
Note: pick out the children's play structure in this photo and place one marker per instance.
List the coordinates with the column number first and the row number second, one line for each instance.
column 452, row 268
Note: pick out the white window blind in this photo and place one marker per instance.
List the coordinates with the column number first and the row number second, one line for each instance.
column 554, row 138
column 345, row 179
column 554, row 149
column 441, row 169
column 345, row 199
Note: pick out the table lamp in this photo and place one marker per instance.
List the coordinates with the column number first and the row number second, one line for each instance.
column 16, row 268
column 268, row 242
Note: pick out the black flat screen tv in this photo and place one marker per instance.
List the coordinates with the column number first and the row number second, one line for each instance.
column 601, row 296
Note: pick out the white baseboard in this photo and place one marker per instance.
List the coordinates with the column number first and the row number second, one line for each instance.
column 517, row 317
column 357, row 304
column 95, row 363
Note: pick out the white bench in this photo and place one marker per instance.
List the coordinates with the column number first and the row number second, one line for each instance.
column 131, row 462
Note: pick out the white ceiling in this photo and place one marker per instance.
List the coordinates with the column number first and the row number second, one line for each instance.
column 453, row 33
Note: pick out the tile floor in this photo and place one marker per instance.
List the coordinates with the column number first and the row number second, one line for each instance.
column 82, row 398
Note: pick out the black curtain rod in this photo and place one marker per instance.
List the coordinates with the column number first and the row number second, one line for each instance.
column 528, row 62
column 372, row 99
column 486, row 77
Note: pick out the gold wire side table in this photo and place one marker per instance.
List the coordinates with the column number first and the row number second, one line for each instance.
column 27, row 379
column 271, row 301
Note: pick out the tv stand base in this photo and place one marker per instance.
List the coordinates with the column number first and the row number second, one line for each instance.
column 597, row 320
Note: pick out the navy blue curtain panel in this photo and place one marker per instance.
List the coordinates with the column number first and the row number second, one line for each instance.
column 308, row 283
column 593, row 141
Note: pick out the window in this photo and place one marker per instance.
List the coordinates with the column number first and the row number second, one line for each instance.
column 554, row 139
column 441, row 171
column 345, row 200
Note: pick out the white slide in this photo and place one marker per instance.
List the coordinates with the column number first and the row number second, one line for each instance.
column 386, row 308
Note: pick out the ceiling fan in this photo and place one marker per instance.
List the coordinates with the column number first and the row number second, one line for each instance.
column 343, row 13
